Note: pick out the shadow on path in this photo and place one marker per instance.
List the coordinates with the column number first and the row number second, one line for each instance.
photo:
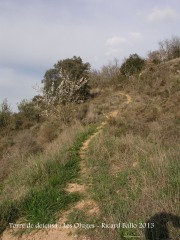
column 160, row 230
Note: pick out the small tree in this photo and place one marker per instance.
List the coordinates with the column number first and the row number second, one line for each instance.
column 154, row 57
column 133, row 64
column 67, row 81
column 110, row 71
column 108, row 74
column 30, row 108
column 169, row 48
column 5, row 114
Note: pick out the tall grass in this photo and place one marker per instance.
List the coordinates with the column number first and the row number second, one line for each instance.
column 135, row 171
column 45, row 184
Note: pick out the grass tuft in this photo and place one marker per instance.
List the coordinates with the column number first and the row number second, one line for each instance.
column 46, row 183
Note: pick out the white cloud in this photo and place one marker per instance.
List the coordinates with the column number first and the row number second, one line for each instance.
column 36, row 34
column 165, row 14
column 115, row 41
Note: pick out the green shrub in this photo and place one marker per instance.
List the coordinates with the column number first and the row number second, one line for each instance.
column 30, row 110
column 132, row 65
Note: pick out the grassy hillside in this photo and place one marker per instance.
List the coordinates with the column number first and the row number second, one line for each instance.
column 133, row 164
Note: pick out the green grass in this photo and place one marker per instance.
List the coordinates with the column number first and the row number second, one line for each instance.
column 47, row 196
column 42, row 204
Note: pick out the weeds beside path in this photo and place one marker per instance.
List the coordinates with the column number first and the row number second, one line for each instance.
column 74, row 189
column 134, row 169
column 46, row 183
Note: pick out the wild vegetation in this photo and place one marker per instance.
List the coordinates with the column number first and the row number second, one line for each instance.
column 133, row 164
column 135, row 161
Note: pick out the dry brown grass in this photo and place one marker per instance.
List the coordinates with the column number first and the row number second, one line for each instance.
column 133, row 162
column 16, row 183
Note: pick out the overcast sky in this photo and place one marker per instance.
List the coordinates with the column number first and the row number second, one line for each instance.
column 35, row 34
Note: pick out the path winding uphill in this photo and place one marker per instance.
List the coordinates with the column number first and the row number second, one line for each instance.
column 102, row 125
column 60, row 231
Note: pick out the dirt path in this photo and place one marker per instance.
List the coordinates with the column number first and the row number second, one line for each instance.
column 86, row 143
column 61, row 231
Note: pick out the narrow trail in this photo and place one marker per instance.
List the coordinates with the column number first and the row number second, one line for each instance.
column 113, row 113
column 91, row 208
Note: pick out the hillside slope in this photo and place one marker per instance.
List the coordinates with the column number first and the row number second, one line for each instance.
column 131, row 167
